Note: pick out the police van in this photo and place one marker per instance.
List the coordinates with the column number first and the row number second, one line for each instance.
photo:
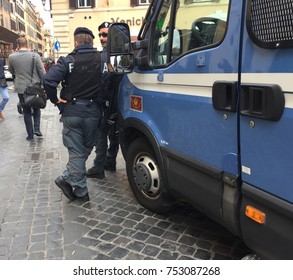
column 206, row 114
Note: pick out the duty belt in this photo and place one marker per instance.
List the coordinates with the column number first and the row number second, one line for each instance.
column 83, row 101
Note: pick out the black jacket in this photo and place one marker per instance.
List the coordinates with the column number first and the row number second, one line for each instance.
column 80, row 74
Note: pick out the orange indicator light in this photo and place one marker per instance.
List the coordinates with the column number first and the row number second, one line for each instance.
column 255, row 214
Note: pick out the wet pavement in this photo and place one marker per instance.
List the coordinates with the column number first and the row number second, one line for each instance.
column 37, row 222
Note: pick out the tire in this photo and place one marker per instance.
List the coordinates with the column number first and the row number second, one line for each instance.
column 145, row 177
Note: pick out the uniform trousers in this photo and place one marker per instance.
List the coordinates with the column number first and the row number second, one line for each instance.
column 106, row 154
column 113, row 147
column 80, row 135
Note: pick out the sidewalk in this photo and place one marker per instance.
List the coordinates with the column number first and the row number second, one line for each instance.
column 38, row 222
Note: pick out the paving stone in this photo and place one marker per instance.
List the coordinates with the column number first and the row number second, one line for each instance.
column 118, row 253
column 141, row 236
column 102, row 257
column 154, row 240
column 105, row 247
column 88, row 242
column 156, row 231
column 108, row 236
column 142, row 227
column 4, row 250
column 95, row 233
column 36, row 256
column 203, row 254
column 188, row 240
column 167, row 255
column 115, row 229
column 186, row 250
column 39, row 229
column 121, row 241
column 171, row 235
column 151, row 251
column 136, row 246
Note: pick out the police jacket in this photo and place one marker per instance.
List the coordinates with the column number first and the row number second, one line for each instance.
column 110, row 84
column 80, row 74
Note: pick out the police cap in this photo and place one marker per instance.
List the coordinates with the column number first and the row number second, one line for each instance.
column 83, row 30
column 105, row 24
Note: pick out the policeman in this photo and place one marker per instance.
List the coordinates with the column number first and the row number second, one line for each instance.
column 80, row 74
column 105, row 158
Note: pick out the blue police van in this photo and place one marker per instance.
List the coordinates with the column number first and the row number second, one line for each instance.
column 206, row 114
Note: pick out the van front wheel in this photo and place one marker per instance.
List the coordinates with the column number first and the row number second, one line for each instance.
column 145, row 178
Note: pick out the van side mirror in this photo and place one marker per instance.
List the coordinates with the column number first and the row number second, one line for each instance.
column 119, row 48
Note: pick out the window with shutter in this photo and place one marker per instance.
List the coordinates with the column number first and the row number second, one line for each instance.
column 144, row 2
column 84, row 4
column 72, row 4
column 133, row 3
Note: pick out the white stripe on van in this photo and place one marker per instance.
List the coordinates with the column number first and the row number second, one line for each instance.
column 201, row 84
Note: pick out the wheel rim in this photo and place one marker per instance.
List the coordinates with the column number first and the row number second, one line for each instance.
column 146, row 176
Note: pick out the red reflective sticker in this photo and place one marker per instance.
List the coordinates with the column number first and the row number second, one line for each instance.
column 136, row 103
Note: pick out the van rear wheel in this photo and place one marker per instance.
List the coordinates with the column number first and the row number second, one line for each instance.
column 145, row 177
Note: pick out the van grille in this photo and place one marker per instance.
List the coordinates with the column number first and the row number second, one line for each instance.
column 270, row 23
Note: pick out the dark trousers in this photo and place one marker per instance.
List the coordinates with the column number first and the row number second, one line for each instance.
column 106, row 155
column 79, row 137
column 113, row 147
column 32, row 118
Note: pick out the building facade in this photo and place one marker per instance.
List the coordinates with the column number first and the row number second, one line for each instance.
column 20, row 17
column 69, row 14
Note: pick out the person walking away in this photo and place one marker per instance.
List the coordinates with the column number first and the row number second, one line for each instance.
column 3, row 89
column 20, row 65
column 80, row 106
column 105, row 158
column 48, row 63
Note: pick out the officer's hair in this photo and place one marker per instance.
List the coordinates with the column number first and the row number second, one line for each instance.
column 84, row 39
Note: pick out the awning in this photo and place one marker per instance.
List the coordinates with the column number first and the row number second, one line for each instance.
column 8, row 36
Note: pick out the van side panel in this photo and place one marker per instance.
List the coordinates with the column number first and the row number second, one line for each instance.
column 266, row 141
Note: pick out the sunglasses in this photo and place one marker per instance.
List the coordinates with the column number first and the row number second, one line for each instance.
column 103, row 34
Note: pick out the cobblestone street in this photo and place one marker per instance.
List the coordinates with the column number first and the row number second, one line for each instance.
column 37, row 222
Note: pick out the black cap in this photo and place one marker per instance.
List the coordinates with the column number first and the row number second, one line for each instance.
column 105, row 24
column 83, row 30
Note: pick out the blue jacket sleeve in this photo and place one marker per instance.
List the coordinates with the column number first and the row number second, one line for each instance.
column 54, row 76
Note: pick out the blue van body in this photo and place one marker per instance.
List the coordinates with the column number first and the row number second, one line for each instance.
column 212, row 125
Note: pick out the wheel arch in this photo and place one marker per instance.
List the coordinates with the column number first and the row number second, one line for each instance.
column 132, row 129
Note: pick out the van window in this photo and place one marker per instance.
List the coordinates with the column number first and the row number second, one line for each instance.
column 181, row 28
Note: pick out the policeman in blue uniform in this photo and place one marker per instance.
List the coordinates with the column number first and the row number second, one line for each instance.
column 105, row 158
column 80, row 74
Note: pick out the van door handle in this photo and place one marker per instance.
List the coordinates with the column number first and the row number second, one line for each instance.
column 224, row 95
column 263, row 101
